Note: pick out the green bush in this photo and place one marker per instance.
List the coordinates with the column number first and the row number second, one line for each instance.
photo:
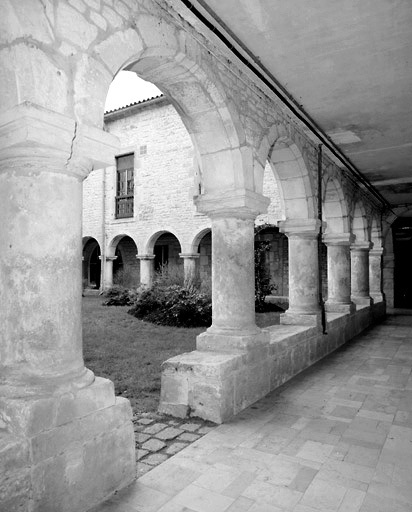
column 127, row 278
column 175, row 305
column 120, row 296
column 263, row 284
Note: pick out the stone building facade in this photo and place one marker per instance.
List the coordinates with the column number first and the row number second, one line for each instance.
column 166, row 178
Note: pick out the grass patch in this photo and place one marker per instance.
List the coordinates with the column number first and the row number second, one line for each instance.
column 130, row 351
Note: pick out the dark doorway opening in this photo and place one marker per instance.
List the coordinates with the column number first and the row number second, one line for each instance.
column 95, row 268
column 402, row 248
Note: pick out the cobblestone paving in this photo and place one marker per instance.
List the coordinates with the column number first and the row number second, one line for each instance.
column 337, row 438
column 158, row 437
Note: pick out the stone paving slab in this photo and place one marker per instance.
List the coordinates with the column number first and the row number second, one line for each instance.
column 336, row 438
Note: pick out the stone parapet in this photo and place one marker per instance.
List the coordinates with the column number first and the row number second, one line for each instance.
column 216, row 385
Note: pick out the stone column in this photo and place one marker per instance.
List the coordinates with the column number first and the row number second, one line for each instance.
column 190, row 266
column 304, row 307
column 360, row 273
column 375, row 274
column 146, row 269
column 339, row 273
column 108, row 272
column 233, row 282
column 60, row 425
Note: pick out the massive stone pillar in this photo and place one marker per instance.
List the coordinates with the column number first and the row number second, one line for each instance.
column 66, row 442
column 360, row 273
column 107, row 273
column 190, row 266
column 375, row 274
column 304, row 307
column 233, row 271
column 146, row 269
column 339, row 273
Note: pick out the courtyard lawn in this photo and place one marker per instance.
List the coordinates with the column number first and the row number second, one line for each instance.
column 130, row 351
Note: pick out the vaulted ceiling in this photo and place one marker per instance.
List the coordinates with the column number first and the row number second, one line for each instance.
column 348, row 63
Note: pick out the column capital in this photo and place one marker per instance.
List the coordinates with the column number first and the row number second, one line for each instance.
column 189, row 255
column 145, row 256
column 52, row 141
column 338, row 239
column 233, row 203
column 108, row 258
column 300, row 228
column 378, row 251
column 361, row 246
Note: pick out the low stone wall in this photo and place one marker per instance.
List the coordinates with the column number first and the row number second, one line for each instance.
column 218, row 385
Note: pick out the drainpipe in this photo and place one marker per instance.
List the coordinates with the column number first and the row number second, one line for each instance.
column 321, row 301
column 103, row 250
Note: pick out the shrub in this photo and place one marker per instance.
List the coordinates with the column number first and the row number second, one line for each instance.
column 127, row 278
column 169, row 275
column 120, row 296
column 263, row 285
column 174, row 305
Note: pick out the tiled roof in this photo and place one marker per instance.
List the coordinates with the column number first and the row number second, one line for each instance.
column 147, row 100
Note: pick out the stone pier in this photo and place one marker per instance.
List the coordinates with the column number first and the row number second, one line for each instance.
column 59, row 425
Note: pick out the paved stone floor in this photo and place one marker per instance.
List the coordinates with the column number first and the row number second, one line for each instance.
column 159, row 437
column 336, row 438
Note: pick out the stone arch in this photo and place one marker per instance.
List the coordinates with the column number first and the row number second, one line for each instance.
column 126, row 268
column 335, row 210
column 72, row 78
column 91, row 263
column 194, row 245
column 169, row 57
column 360, row 227
column 292, row 172
column 166, row 248
column 112, row 245
column 202, row 244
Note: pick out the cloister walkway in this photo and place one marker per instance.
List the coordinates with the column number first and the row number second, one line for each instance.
column 336, row 438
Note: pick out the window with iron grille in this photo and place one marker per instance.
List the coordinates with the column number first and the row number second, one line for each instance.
column 124, row 186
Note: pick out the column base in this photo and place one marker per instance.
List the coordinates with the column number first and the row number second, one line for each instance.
column 362, row 301
column 377, row 297
column 231, row 340
column 337, row 307
column 66, row 452
column 292, row 318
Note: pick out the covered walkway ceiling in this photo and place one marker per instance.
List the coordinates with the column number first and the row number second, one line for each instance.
column 348, row 63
